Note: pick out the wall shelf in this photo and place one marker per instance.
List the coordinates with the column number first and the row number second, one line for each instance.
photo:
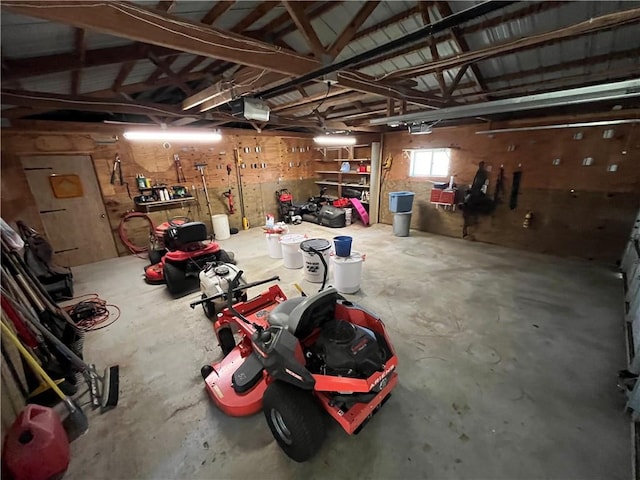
column 147, row 207
column 343, row 173
column 358, row 154
column 341, row 184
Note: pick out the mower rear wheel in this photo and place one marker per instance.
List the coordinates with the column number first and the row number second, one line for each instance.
column 156, row 255
column 227, row 340
column 176, row 279
column 294, row 419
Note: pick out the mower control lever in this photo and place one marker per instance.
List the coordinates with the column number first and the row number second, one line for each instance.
column 265, row 336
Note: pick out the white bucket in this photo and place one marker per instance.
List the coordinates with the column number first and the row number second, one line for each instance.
column 347, row 216
column 273, row 245
column 347, row 272
column 313, row 266
column 220, row 224
column 291, row 254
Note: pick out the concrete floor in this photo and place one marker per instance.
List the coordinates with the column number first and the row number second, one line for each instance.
column 507, row 370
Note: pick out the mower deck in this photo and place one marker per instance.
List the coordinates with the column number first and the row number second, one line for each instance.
column 349, row 412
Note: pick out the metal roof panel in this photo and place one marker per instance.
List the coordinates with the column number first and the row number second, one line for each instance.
column 24, row 37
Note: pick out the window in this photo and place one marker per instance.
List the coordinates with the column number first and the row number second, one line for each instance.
column 430, row 162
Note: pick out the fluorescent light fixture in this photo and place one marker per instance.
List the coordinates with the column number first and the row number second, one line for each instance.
column 200, row 136
column 335, row 140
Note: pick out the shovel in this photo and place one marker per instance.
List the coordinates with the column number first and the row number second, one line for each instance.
column 76, row 422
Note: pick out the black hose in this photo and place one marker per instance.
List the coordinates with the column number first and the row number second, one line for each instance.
column 326, row 267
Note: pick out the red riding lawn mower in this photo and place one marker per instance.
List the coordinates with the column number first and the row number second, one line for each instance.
column 184, row 251
column 297, row 357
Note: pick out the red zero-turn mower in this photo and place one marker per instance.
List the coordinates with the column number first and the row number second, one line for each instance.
column 297, row 357
column 188, row 253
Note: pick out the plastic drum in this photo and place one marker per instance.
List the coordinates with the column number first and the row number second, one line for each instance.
column 314, row 269
column 291, row 254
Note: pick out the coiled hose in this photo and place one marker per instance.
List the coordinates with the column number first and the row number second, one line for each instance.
column 122, row 232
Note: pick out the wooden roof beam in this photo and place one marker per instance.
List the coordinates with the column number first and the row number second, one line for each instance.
column 592, row 25
column 329, row 102
column 80, row 49
column 458, row 38
column 253, row 16
column 558, row 67
column 124, row 72
column 165, row 5
column 51, row 101
column 35, row 66
column 433, row 46
column 474, row 27
column 299, row 17
column 312, row 11
column 310, row 99
column 166, row 69
column 144, row 25
column 390, row 21
column 349, row 32
column 215, row 12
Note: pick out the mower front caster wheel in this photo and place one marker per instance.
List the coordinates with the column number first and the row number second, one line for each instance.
column 294, row 419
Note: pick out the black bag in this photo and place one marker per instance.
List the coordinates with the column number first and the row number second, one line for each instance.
column 38, row 256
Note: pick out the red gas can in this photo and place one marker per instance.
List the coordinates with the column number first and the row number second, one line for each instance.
column 36, row 446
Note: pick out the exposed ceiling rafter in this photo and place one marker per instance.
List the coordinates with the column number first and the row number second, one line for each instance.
column 349, row 32
column 299, row 17
column 144, row 25
column 592, row 25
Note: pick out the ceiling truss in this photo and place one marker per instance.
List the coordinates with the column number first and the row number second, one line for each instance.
column 255, row 54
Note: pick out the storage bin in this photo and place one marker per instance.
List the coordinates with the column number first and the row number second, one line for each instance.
column 400, row 202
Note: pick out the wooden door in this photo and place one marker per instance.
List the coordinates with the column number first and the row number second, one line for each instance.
column 73, row 215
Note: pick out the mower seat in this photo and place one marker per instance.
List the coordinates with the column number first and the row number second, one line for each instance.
column 178, row 236
column 247, row 374
column 302, row 315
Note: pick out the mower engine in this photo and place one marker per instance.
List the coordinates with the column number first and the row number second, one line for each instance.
column 345, row 349
column 214, row 280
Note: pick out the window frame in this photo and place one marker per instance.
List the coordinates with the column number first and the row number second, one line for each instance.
column 412, row 162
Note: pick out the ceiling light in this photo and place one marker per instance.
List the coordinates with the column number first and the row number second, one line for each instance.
column 200, row 136
column 335, row 140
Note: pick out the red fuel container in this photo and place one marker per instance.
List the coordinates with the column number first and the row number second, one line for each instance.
column 36, row 446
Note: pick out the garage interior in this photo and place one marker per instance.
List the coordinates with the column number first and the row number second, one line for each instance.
column 509, row 287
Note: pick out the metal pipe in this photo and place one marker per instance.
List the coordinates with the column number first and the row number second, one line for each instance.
column 599, row 123
column 573, row 96
column 429, row 30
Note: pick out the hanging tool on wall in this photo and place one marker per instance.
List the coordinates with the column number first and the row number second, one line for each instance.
column 117, row 165
column 179, row 172
column 497, row 195
column 228, row 194
column 245, row 220
column 200, row 167
column 515, row 189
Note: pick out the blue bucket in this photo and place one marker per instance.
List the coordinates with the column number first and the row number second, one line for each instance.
column 343, row 246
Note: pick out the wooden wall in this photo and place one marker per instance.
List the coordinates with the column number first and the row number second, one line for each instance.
column 283, row 168
column 577, row 211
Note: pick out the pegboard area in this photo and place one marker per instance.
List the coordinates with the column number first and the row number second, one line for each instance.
column 577, row 210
